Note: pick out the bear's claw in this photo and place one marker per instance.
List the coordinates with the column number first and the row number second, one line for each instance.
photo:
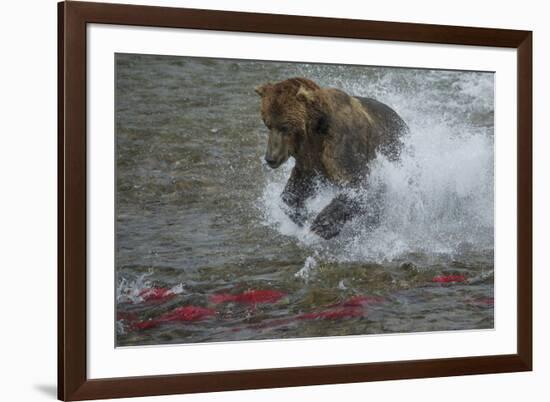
column 325, row 229
column 330, row 220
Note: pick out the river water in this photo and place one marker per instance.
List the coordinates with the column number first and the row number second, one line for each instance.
column 199, row 214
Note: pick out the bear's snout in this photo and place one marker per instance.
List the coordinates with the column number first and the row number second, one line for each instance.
column 273, row 163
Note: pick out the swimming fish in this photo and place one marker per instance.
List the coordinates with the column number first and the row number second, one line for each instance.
column 352, row 307
column 248, row 297
column 448, row 278
column 187, row 313
column 156, row 294
column 361, row 301
column 329, row 314
column 183, row 314
column 483, row 301
column 121, row 315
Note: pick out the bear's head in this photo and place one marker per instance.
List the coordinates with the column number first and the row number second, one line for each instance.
column 289, row 110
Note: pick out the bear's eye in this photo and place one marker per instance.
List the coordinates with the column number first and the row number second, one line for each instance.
column 285, row 129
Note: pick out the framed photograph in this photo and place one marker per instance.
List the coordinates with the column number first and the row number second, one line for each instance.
column 253, row 200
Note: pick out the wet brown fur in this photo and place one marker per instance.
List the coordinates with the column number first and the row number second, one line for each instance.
column 330, row 134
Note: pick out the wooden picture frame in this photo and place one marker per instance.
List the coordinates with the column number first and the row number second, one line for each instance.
column 73, row 382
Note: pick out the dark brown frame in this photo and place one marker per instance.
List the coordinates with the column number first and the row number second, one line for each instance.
column 73, row 383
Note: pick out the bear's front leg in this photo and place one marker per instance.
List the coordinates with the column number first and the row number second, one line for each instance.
column 298, row 189
column 330, row 221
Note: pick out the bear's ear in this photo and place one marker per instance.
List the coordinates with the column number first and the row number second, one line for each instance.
column 305, row 95
column 262, row 89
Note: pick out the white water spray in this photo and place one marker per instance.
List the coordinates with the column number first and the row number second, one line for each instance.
column 439, row 197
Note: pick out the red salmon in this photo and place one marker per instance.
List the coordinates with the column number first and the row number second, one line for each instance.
column 360, row 301
column 184, row 314
column 484, row 301
column 248, row 297
column 156, row 294
column 448, row 278
column 145, row 324
column 187, row 313
column 121, row 315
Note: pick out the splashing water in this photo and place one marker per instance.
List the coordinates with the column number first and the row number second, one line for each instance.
column 438, row 199
column 200, row 220
column 141, row 289
column 309, row 265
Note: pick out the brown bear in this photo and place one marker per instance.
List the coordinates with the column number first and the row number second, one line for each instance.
column 333, row 137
